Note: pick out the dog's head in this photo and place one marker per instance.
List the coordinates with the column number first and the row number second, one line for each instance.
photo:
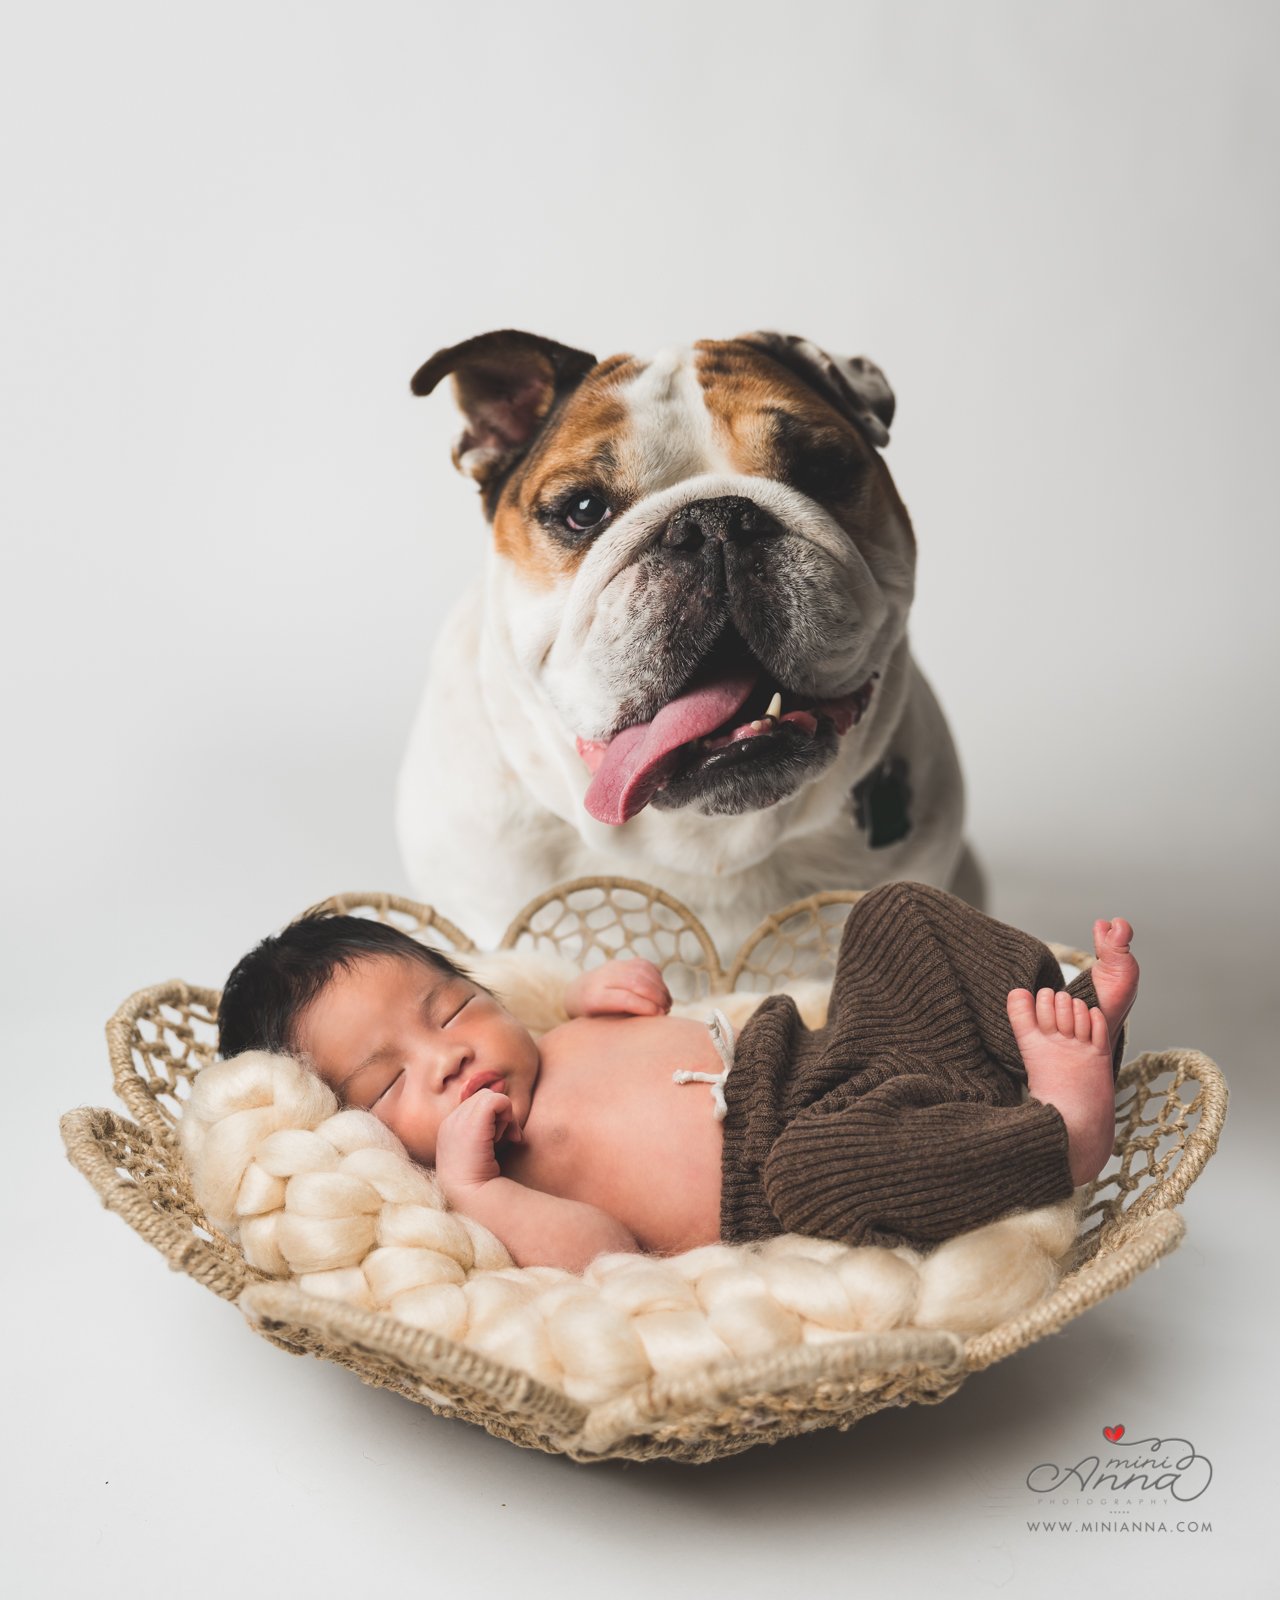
column 701, row 559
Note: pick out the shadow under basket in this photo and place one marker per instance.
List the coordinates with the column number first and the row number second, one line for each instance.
column 1170, row 1107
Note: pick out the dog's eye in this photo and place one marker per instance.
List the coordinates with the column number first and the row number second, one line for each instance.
column 582, row 512
column 826, row 473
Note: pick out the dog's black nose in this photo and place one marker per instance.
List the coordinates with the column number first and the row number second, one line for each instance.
column 732, row 519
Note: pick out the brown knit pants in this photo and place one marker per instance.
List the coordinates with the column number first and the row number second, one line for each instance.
column 900, row 1120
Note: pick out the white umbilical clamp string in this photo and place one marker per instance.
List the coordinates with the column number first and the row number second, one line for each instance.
column 722, row 1037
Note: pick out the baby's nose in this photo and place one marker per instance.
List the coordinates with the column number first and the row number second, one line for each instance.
column 449, row 1062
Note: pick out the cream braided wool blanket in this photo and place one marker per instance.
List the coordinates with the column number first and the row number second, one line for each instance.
column 329, row 1198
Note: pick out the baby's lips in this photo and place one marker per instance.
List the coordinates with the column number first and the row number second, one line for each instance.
column 482, row 1080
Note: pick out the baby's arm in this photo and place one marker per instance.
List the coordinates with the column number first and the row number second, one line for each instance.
column 619, row 988
column 544, row 990
column 539, row 1230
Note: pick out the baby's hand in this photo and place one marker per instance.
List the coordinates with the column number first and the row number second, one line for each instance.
column 619, row 988
column 464, row 1145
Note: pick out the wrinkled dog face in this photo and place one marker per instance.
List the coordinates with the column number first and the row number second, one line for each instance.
column 702, row 559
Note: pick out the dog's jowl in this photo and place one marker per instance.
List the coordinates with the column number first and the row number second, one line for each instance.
column 687, row 661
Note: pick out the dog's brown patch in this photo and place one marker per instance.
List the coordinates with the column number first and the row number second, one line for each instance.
column 760, row 408
column 577, row 448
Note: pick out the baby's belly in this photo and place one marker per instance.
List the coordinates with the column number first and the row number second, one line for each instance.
column 608, row 1126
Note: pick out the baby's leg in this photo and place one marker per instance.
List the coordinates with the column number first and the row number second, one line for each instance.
column 915, row 958
column 1066, row 1050
column 922, row 971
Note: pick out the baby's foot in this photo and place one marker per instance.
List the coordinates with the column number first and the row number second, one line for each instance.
column 1066, row 1050
column 1115, row 972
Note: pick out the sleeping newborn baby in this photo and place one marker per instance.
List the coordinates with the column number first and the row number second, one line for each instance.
column 904, row 1119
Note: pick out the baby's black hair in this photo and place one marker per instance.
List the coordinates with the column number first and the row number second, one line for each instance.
column 272, row 986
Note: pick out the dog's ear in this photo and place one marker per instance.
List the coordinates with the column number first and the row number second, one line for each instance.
column 855, row 386
column 505, row 383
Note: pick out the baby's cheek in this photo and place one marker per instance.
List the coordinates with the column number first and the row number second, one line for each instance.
column 520, row 1049
column 419, row 1140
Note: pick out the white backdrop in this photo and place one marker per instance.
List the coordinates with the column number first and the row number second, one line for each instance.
column 233, row 234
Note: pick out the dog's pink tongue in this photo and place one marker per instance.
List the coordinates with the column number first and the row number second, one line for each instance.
column 636, row 761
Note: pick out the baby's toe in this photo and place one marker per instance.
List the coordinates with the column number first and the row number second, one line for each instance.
column 1021, row 1007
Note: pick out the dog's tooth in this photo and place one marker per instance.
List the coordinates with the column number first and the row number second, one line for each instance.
column 775, row 706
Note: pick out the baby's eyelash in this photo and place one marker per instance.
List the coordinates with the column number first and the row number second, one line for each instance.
column 386, row 1091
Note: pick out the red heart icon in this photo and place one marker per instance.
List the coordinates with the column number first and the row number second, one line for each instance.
column 1115, row 1434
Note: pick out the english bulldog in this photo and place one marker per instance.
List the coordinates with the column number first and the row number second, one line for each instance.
column 687, row 660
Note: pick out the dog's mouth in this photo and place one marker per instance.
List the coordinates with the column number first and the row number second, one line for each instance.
column 730, row 713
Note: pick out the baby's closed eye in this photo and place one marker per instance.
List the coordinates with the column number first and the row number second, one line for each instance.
column 383, row 1093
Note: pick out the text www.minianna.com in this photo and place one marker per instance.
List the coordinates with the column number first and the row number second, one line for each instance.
column 1110, row 1526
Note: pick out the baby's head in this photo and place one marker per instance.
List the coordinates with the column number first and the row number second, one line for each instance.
column 392, row 1026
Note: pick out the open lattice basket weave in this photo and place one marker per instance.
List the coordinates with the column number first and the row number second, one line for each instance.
column 1170, row 1109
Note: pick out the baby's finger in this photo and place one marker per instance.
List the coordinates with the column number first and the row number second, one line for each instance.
column 648, row 979
column 656, row 989
column 505, row 1125
column 658, row 992
column 620, row 997
column 487, row 1107
column 647, row 993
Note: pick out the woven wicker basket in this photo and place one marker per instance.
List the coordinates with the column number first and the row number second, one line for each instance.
column 1169, row 1114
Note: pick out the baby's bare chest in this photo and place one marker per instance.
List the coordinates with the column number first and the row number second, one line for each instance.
column 610, row 1127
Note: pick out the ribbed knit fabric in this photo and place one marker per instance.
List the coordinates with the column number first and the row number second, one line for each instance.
column 900, row 1120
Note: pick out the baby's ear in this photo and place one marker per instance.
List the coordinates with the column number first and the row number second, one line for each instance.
column 505, row 383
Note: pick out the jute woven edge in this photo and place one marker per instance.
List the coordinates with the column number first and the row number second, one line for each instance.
column 428, row 1359
column 775, row 1397
column 383, row 901
column 1201, row 1143
column 521, row 922
column 777, row 920
column 84, row 1136
column 119, row 1029
column 791, row 1392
